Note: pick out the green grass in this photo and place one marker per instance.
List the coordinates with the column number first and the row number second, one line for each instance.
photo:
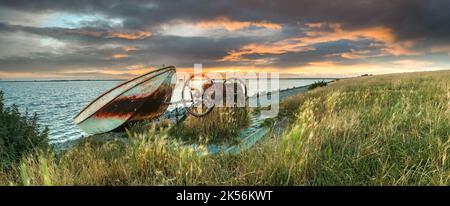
column 317, row 84
column 221, row 125
column 376, row 130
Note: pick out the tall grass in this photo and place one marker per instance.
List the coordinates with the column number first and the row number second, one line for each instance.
column 221, row 125
column 380, row 130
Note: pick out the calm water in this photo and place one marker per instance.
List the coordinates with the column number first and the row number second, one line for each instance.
column 56, row 103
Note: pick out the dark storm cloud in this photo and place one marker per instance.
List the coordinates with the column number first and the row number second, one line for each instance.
column 410, row 19
column 323, row 52
column 85, row 34
column 158, row 50
column 427, row 23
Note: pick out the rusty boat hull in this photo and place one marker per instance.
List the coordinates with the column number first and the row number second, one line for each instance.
column 142, row 98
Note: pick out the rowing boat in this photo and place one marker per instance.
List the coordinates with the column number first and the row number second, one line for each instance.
column 142, row 98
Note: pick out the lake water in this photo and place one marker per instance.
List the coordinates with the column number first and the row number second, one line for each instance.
column 56, row 103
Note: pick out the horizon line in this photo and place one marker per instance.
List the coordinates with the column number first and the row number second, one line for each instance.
column 75, row 80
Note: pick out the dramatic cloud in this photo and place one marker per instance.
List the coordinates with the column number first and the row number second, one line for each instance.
column 108, row 38
column 224, row 22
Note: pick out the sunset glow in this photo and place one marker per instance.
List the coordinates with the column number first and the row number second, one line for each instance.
column 302, row 38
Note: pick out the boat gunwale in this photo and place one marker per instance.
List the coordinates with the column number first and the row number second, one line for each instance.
column 108, row 91
column 146, row 101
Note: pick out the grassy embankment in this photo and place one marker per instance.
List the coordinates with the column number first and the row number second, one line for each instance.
column 379, row 130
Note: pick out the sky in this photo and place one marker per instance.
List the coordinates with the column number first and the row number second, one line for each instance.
column 110, row 39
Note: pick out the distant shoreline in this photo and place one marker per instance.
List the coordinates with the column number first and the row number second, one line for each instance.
column 104, row 80
column 66, row 80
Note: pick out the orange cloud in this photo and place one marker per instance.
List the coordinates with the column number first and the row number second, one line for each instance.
column 358, row 54
column 231, row 25
column 315, row 25
column 316, row 36
column 441, row 49
column 280, row 47
column 130, row 48
column 138, row 35
column 379, row 34
column 135, row 35
column 119, row 56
